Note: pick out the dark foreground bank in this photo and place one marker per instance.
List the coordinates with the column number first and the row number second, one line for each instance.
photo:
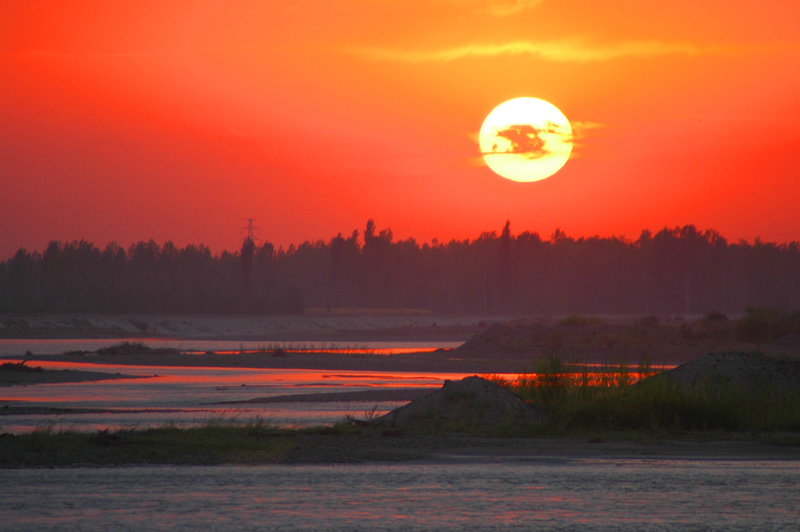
column 262, row 444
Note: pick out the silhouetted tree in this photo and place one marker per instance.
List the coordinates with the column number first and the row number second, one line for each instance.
column 506, row 280
column 246, row 255
column 671, row 271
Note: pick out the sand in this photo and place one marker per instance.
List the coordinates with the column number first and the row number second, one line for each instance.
column 463, row 448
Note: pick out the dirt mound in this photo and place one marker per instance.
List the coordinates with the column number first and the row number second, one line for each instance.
column 748, row 372
column 504, row 339
column 471, row 403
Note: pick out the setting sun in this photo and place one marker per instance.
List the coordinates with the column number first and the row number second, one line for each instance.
column 526, row 139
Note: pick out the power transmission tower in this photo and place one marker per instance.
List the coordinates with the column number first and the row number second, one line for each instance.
column 251, row 230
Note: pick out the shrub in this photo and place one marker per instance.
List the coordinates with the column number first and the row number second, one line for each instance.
column 576, row 320
column 760, row 325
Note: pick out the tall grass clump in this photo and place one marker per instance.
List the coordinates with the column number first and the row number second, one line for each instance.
column 620, row 398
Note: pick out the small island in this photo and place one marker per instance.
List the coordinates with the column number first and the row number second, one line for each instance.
column 22, row 374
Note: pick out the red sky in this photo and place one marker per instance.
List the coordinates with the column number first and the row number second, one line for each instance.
column 177, row 120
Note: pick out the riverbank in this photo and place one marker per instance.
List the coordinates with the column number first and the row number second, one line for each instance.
column 263, row 445
column 316, row 326
column 486, row 343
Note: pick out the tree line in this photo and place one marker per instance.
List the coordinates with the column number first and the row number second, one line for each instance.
column 676, row 270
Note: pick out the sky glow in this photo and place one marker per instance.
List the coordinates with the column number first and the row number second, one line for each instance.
column 178, row 120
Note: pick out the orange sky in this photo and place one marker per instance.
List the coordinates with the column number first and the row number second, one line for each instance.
column 177, row 120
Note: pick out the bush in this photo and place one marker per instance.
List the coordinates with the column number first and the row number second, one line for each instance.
column 761, row 325
column 576, row 320
column 647, row 322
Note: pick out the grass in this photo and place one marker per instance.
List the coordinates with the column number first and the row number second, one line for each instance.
column 283, row 348
column 209, row 444
column 580, row 402
column 212, row 444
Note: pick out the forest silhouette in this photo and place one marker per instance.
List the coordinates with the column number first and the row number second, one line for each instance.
column 676, row 270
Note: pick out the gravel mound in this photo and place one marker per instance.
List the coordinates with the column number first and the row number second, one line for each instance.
column 503, row 339
column 471, row 403
column 748, row 372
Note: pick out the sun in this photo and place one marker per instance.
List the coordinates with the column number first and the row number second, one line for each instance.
column 526, row 139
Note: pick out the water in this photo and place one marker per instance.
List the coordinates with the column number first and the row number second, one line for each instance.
column 18, row 347
column 538, row 493
column 190, row 396
column 187, row 396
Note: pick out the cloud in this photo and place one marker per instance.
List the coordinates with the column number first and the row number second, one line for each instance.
column 504, row 9
column 580, row 128
column 526, row 140
column 496, row 8
column 585, row 124
column 558, row 51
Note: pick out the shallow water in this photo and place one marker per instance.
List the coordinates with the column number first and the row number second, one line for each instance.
column 189, row 396
column 18, row 347
column 545, row 493
column 186, row 396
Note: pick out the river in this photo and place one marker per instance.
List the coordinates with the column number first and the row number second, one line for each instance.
column 457, row 494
